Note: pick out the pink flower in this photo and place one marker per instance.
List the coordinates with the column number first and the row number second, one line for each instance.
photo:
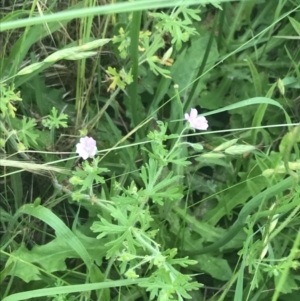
column 86, row 147
column 196, row 122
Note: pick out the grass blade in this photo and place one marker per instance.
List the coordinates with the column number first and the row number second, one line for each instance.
column 102, row 10
column 60, row 228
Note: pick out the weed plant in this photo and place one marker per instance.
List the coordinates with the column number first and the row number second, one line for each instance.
column 150, row 150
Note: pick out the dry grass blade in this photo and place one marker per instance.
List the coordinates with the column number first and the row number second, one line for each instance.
column 32, row 167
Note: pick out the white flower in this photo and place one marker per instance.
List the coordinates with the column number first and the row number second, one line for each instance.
column 86, row 147
column 196, row 122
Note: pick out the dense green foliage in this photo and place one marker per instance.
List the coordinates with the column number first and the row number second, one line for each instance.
column 165, row 210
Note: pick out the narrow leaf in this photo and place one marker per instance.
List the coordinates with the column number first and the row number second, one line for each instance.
column 245, row 103
column 60, row 228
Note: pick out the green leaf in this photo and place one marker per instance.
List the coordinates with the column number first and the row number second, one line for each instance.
column 207, row 232
column 50, row 257
column 239, row 149
column 55, row 121
column 78, row 288
column 245, row 103
column 6, row 271
column 153, row 65
column 295, row 24
column 289, row 284
column 288, row 140
column 214, row 159
column 34, row 34
column 24, row 268
column 116, row 79
column 185, row 67
column 26, row 131
column 165, row 189
column 217, row 267
column 62, row 231
column 195, row 146
column 89, row 176
column 80, row 55
column 179, row 29
column 237, row 195
column 291, row 82
column 7, row 95
column 29, row 69
column 225, row 145
column 255, row 77
column 71, row 13
column 119, row 235
column 97, row 277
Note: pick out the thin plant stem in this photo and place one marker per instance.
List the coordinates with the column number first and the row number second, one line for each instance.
column 134, row 53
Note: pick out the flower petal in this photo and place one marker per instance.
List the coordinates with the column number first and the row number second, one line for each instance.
column 201, row 123
column 84, row 155
column 187, row 116
column 86, row 147
column 194, row 113
column 195, row 121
